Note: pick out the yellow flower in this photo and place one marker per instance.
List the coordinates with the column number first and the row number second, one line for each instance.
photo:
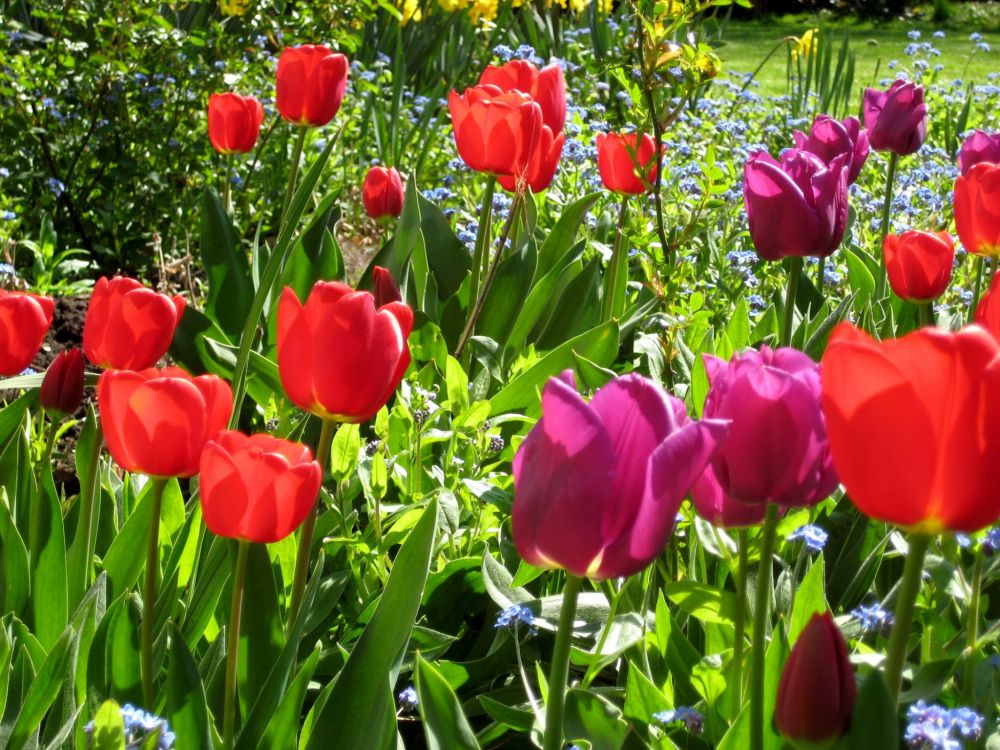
column 233, row 7
column 606, row 6
column 450, row 6
column 807, row 44
column 483, row 11
column 410, row 10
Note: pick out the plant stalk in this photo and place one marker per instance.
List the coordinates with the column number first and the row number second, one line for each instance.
column 617, row 267
column 149, row 593
column 559, row 671
column 233, row 645
column 890, row 180
column 762, row 601
column 82, row 564
column 300, row 140
column 791, row 290
column 972, row 630
column 906, row 598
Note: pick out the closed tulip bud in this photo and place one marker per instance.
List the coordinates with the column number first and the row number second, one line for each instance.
column 977, row 209
column 627, row 163
column 979, row 147
column 830, row 138
column 914, row 425
column 919, row 264
column 129, row 327
column 897, row 118
column 62, row 387
column 386, row 290
column 310, row 86
column 341, row 356
column 776, row 449
column 988, row 310
column 542, row 165
column 546, row 86
column 816, row 691
column 495, row 131
column 257, row 488
column 24, row 320
column 156, row 422
column 796, row 206
column 382, row 192
column 597, row 485
column 234, row 122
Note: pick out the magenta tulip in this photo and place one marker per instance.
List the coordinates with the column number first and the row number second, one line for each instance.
column 979, row 147
column 897, row 118
column 795, row 206
column 776, row 449
column 597, row 486
column 830, row 138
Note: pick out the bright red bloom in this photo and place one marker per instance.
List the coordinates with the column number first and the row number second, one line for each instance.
column 816, row 692
column 256, row 487
column 919, row 263
column 495, row 131
column 233, row 122
column 543, row 164
column 914, row 425
column 626, row 164
column 24, row 320
column 988, row 310
column 128, row 326
column 310, row 84
column 156, row 422
column 977, row 209
column 386, row 290
column 546, row 86
column 382, row 192
column 62, row 386
column 339, row 356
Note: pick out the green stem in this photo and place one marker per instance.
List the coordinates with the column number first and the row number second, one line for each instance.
column 35, row 509
column 482, row 240
column 977, row 288
column 762, row 601
column 308, row 526
column 559, row 671
column 890, row 180
column 227, row 194
column 233, row 645
column 149, row 593
column 617, row 266
column 791, row 290
column 82, row 563
column 293, row 177
column 742, row 546
column 925, row 314
column 905, row 600
column 972, row 630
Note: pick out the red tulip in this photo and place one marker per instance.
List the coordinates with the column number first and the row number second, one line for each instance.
column 156, row 422
column 62, row 386
column 310, row 84
column 382, row 192
column 495, row 132
column 626, row 167
column 816, row 691
column 128, row 326
column 543, row 164
column 339, row 356
column 919, row 263
column 257, row 487
column 233, row 122
column 977, row 209
column 386, row 290
column 988, row 310
column 914, row 425
column 546, row 86
column 24, row 320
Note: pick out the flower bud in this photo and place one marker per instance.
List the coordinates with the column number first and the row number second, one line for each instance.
column 62, row 386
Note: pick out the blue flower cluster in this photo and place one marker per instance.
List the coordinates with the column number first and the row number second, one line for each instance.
column 814, row 537
column 693, row 721
column 407, row 699
column 934, row 727
column 515, row 616
column 139, row 728
column 874, row 618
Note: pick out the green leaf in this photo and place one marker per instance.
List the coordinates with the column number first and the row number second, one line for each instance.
column 874, row 723
column 859, row 277
column 542, row 292
column 122, row 655
column 49, row 599
column 261, row 636
column 315, row 256
column 284, row 724
column 507, row 293
column 361, row 694
column 109, row 727
column 344, row 451
column 445, row 726
column 14, row 572
column 707, row 603
column 642, row 697
column 43, row 691
column 518, row 719
column 595, row 719
column 810, row 599
column 127, row 554
column 187, row 707
column 79, row 565
column 563, row 234
column 230, row 289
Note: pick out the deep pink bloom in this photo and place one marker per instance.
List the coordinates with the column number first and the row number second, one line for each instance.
column 897, row 118
column 776, row 449
column 597, row 486
column 830, row 138
column 979, row 147
column 795, row 206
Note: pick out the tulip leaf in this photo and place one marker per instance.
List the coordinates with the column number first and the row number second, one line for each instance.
column 445, row 726
column 859, row 278
column 507, row 293
column 576, row 309
column 518, row 719
column 122, row 655
column 47, row 553
column 109, row 727
column 706, row 603
column 558, row 241
column 285, row 721
column 595, row 719
column 43, row 691
column 810, row 599
column 187, row 708
column 547, row 287
column 261, row 634
column 642, row 697
column 14, row 575
column 315, row 256
column 875, row 722
column 358, row 711
column 230, row 290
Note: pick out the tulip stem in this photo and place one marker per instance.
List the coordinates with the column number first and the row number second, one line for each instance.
column 890, row 179
column 233, row 645
column 618, row 267
column 977, row 287
column 925, row 314
column 82, row 563
column 791, row 291
column 149, row 592
column 742, row 547
column 308, row 527
column 762, row 601
column 35, row 509
column 300, row 140
column 482, row 240
column 972, row 630
column 559, row 670
column 905, row 600
column 227, row 195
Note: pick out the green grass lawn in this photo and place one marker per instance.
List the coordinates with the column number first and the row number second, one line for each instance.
column 746, row 44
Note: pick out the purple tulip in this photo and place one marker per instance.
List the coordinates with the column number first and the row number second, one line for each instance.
column 829, row 138
column 979, row 147
column 796, row 206
column 776, row 449
column 597, row 486
column 896, row 119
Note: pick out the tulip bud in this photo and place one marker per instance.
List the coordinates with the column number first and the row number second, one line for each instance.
column 62, row 386
column 310, row 84
column 919, row 264
column 897, row 118
column 386, row 290
column 979, row 147
column 382, row 192
column 816, row 691
column 233, row 122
